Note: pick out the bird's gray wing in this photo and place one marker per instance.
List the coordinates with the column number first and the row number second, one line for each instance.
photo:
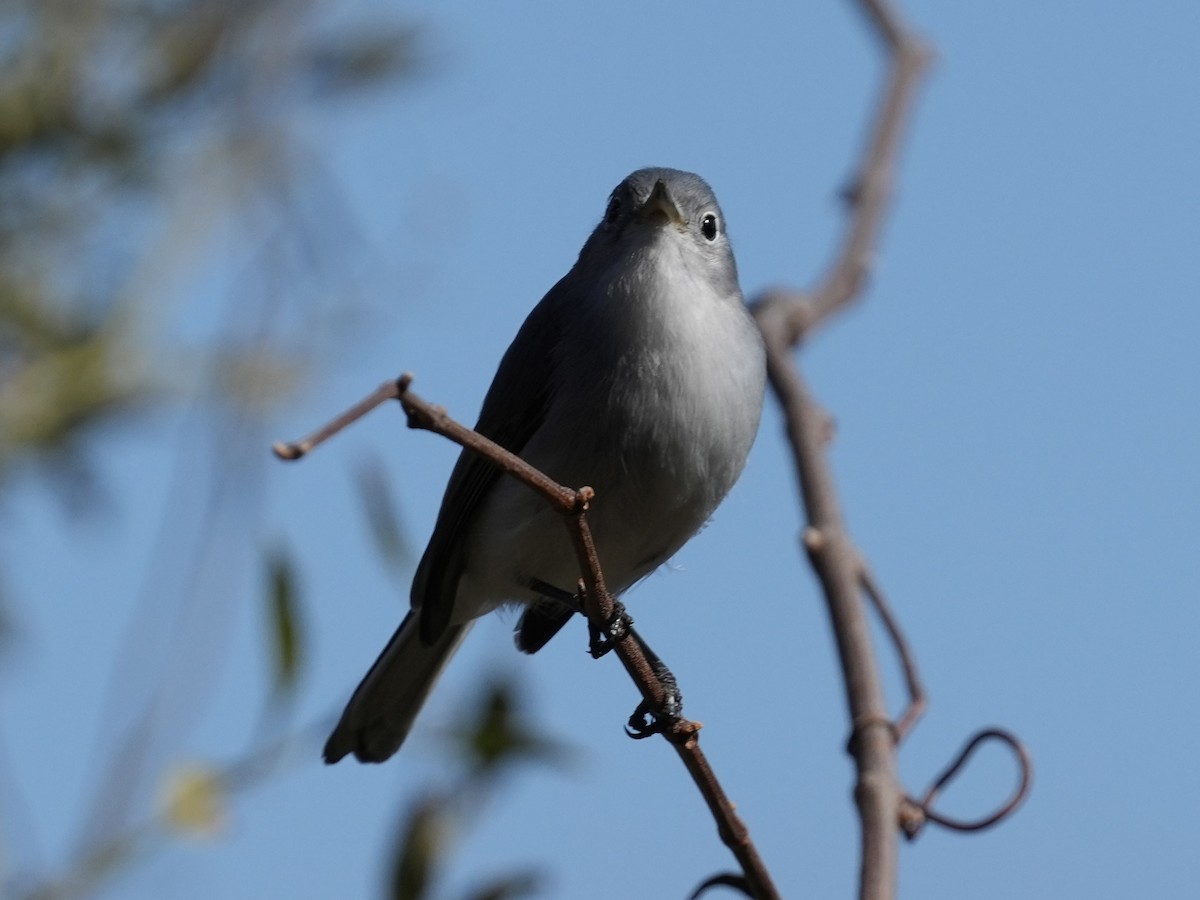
column 514, row 408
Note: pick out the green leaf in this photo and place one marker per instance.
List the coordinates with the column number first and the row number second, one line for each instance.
column 509, row 887
column 285, row 622
column 419, row 848
column 497, row 733
column 383, row 520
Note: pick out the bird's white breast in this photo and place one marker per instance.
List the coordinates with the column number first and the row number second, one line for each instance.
column 662, row 385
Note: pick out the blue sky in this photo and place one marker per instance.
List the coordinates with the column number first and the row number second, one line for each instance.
column 1017, row 436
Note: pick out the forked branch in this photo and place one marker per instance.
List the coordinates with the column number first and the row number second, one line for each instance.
column 786, row 317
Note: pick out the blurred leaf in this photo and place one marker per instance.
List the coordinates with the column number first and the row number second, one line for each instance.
column 34, row 106
column 62, row 372
column 351, row 61
column 493, row 734
column 253, row 378
column 8, row 625
column 382, row 519
column 522, row 884
column 195, row 801
column 498, row 734
column 184, row 48
column 285, row 631
column 418, row 850
column 118, row 852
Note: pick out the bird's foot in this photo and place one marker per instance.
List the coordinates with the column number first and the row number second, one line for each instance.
column 646, row 720
column 618, row 627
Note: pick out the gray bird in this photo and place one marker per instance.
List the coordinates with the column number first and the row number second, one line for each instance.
column 640, row 374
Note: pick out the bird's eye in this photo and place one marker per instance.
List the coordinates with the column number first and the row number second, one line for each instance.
column 614, row 207
column 708, row 227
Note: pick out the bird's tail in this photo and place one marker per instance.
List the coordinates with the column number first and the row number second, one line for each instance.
column 381, row 712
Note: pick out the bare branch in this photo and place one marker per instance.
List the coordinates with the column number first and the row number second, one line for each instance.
column 836, row 563
column 918, row 812
column 294, row 450
column 871, row 189
column 786, row 317
column 917, row 700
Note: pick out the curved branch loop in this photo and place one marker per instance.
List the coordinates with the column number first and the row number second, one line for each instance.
column 725, row 879
column 921, row 811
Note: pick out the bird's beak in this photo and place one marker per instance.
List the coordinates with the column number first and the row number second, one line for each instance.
column 660, row 203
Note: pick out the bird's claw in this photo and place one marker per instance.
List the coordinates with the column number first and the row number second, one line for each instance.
column 615, row 629
column 646, row 720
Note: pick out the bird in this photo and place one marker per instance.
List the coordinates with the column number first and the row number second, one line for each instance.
column 640, row 374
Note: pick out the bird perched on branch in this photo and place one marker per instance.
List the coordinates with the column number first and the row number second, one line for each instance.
column 640, row 374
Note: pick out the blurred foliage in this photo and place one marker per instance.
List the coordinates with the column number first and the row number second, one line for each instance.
column 143, row 144
column 194, row 801
column 489, row 742
column 132, row 135
column 383, row 519
column 421, row 842
column 110, row 111
column 59, row 372
column 498, row 735
column 285, row 627
column 135, row 134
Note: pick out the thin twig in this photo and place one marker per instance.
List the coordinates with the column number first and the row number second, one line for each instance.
column 917, row 699
column 294, row 450
column 921, row 811
column 598, row 603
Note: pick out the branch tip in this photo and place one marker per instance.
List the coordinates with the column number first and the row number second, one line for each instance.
column 287, row 451
column 389, row 390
